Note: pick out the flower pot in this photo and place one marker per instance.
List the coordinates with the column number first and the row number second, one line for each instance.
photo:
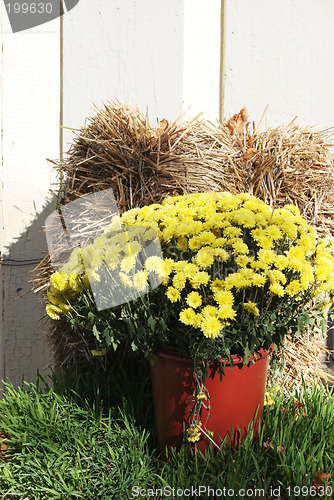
column 235, row 401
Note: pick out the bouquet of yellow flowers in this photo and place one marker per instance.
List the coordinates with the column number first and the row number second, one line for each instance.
column 234, row 276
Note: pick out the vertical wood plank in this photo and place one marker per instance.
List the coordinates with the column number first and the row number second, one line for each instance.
column 30, row 135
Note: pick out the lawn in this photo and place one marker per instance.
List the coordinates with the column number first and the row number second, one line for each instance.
column 92, row 437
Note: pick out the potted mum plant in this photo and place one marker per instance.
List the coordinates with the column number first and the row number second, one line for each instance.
column 234, row 278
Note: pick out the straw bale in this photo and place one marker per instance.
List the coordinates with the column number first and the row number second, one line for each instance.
column 120, row 149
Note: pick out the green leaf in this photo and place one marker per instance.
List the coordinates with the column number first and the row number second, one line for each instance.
column 152, row 323
column 96, row 333
column 134, row 346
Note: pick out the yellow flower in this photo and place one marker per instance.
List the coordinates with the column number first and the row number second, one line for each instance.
column 308, row 242
column 59, row 281
column 226, row 311
column 224, row 297
column 232, row 231
column 242, row 260
column 240, row 247
column 179, row 281
column 194, row 434
column 277, row 289
column 156, row 264
column 281, row 261
column 200, row 396
column 128, row 263
column 168, row 268
column 132, row 248
column 182, row 243
column 274, row 232
column 258, row 280
column 217, row 285
column 266, row 256
column 53, row 311
column 126, row 280
column 293, row 288
column 252, row 308
column 289, row 229
column 211, row 327
column 221, row 253
column 188, row 316
column 54, row 300
column 210, row 311
column 244, row 217
column 296, row 256
column 205, row 238
column 172, row 294
column 268, row 399
column 194, row 299
column 276, row 275
column 140, row 281
column 204, row 257
column 200, row 278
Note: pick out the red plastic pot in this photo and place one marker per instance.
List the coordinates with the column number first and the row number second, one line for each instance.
column 235, row 400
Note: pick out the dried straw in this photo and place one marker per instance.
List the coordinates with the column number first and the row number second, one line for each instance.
column 119, row 149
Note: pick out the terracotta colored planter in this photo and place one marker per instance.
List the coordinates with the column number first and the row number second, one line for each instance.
column 234, row 400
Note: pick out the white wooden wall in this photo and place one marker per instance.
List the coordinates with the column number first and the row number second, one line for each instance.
column 157, row 55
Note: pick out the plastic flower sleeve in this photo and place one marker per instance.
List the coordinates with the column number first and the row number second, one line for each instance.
column 78, row 224
column 122, row 265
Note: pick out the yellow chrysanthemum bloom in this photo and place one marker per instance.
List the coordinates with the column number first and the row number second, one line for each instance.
column 258, row 280
column 59, row 281
column 156, row 264
column 293, row 288
column 188, row 316
column 204, row 257
column 276, row 275
column 224, row 297
column 281, row 261
column 242, row 260
column 226, row 312
column 126, row 280
column 140, row 281
column 128, row 263
column 290, row 229
column 182, row 243
column 274, row 232
column 194, row 434
column 232, row 231
column 211, row 327
column 221, row 254
column 240, row 247
column 179, row 281
column 199, row 278
column 296, row 256
column 205, row 238
column 53, row 311
column 266, row 256
column 194, row 299
column 277, row 289
column 210, row 311
column 244, row 217
column 252, row 308
column 132, row 248
column 217, row 285
column 172, row 294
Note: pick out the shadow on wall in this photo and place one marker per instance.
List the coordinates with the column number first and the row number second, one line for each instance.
column 24, row 349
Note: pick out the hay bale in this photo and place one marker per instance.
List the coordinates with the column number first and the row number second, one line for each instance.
column 120, row 149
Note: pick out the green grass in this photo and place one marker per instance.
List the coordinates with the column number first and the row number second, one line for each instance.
column 92, row 437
